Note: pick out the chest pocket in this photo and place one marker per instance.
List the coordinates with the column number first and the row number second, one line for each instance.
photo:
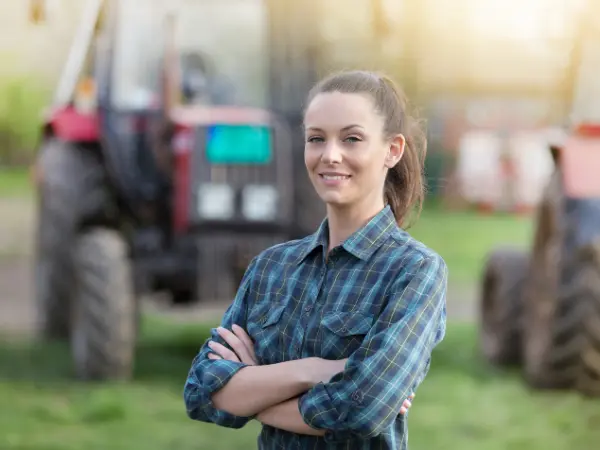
column 343, row 333
column 267, row 334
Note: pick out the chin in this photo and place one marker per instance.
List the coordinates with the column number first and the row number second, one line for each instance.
column 334, row 199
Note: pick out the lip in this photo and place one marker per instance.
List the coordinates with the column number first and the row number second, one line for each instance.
column 337, row 179
column 334, row 174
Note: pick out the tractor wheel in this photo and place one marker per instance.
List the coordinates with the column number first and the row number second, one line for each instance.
column 562, row 311
column 71, row 188
column 552, row 319
column 501, row 306
column 588, row 379
column 569, row 354
column 104, row 308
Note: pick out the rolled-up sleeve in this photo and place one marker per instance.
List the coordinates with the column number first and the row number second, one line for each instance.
column 207, row 376
column 365, row 399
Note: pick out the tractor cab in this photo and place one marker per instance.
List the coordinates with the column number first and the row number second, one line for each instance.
column 161, row 168
column 178, row 105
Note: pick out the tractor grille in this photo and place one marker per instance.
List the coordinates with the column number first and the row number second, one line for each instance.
column 226, row 246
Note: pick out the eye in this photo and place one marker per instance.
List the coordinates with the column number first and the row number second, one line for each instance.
column 315, row 139
column 352, row 139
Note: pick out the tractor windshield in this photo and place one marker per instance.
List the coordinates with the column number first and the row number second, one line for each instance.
column 221, row 48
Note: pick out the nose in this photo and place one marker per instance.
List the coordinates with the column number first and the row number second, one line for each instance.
column 332, row 154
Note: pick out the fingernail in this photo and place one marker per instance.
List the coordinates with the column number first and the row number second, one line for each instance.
column 210, row 343
column 220, row 329
column 402, row 410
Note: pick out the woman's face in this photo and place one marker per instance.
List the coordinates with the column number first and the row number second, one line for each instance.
column 346, row 153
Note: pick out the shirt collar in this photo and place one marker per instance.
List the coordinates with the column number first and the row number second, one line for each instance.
column 362, row 243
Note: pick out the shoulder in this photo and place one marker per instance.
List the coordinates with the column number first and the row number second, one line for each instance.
column 285, row 252
column 413, row 257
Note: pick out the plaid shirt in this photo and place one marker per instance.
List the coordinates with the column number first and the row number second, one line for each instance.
column 379, row 299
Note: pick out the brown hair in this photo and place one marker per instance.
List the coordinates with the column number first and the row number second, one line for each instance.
column 405, row 183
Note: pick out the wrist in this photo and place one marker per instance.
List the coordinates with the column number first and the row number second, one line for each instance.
column 310, row 371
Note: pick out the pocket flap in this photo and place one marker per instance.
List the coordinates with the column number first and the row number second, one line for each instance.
column 272, row 316
column 347, row 323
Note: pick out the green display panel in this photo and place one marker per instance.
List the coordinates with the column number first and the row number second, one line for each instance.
column 239, row 144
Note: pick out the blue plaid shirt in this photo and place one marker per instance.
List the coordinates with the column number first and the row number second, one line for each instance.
column 379, row 299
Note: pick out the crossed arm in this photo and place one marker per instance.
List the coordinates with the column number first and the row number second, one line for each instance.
column 277, row 406
column 360, row 396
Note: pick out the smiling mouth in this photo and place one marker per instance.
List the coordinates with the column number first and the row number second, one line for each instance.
column 334, row 177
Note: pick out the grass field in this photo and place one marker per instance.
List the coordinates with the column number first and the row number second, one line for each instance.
column 463, row 239
column 462, row 404
column 14, row 183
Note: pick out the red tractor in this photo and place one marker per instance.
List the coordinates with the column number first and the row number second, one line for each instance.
column 541, row 309
column 168, row 159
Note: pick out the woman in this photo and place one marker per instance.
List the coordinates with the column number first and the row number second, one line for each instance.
column 329, row 335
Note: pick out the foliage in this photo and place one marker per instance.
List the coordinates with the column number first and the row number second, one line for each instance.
column 22, row 100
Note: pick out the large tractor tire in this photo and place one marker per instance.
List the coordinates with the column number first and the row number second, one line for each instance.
column 562, row 304
column 551, row 336
column 104, row 309
column 588, row 269
column 501, row 306
column 71, row 188
column 563, row 349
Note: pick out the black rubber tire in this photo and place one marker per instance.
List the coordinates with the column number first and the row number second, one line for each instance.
column 588, row 269
column 72, row 188
column 104, row 310
column 501, row 306
column 562, row 304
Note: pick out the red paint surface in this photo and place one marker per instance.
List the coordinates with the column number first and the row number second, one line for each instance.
column 73, row 126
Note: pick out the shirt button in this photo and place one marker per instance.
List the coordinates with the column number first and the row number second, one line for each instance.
column 357, row 397
column 308, row 308
column 344, row 330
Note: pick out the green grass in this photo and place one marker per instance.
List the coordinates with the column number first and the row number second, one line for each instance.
column 464, row 239
column 463, row 404
column 15, row 182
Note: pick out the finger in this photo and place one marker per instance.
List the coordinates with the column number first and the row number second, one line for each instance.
column 213, row 356
column 246, row 340
column 223, row 351
column 403, row 410
column 411, row 397
column 407, row 404
column 243, row 336
column 236, row 344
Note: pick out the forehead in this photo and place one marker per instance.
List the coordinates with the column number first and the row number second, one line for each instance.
column 335, row 110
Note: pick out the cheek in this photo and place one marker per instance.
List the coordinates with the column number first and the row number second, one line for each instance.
column 310, row 158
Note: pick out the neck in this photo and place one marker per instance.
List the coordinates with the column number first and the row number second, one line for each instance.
column 345, row 221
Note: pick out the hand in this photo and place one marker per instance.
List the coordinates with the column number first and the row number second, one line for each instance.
column 407, row 404
column 239, row 341
column 324, row 369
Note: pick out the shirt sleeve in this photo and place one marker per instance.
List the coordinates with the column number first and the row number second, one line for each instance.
column 207, row 376
column 365, row 399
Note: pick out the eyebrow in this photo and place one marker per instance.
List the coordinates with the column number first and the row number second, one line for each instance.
column 346, row 128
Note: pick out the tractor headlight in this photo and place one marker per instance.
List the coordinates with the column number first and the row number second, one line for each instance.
column 216, row 201
column 259, row 202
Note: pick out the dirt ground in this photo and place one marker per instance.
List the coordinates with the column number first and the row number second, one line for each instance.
column 17, row 224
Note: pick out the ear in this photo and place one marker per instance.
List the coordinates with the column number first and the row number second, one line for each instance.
column 395, row 151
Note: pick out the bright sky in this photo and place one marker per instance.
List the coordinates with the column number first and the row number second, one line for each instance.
column 523, row 19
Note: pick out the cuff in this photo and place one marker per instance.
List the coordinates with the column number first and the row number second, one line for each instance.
column 321, row 411
column 215, row 378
